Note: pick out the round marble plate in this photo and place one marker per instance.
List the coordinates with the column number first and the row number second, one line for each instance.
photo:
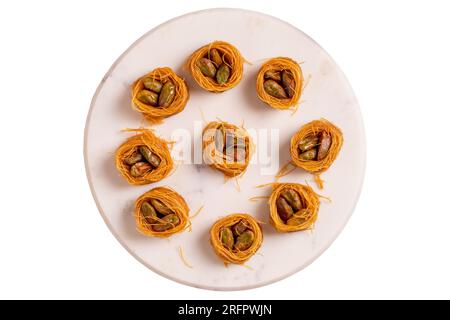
column 327, row 94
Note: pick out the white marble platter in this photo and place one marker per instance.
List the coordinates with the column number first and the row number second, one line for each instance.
column 258, row 37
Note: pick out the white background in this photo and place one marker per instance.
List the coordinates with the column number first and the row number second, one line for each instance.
column 53, row 242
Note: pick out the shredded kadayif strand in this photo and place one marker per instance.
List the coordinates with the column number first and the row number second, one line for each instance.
column 155, row 114
column 280, row 64
column 235, row 256
column 157, row 145
column 310, row 202
column 171, row 200
column 230, row 55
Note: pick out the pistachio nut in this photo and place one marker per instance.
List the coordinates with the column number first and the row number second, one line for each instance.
column 230, row 152
column 218, row 139
column 273, row 74
column 226, row 237
column 140, row 168
column 292, row 198
column 148, row 97
column 223, row 74
column 239, row 154
column 135, row 157
column 151, row 158
column 167, row 94
column 308, row 143
column 288, row 81
column 308, row 155
column 241, row 142
column 167, row 222
column 160, row 207
column 324, row 147
column 149, row 213
column 274, row 89
column 239, row 228
column 215, row 57
column 207, row 67
column 152, row 84
column 284, row 210
column 230, row 138
column 245, row 240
